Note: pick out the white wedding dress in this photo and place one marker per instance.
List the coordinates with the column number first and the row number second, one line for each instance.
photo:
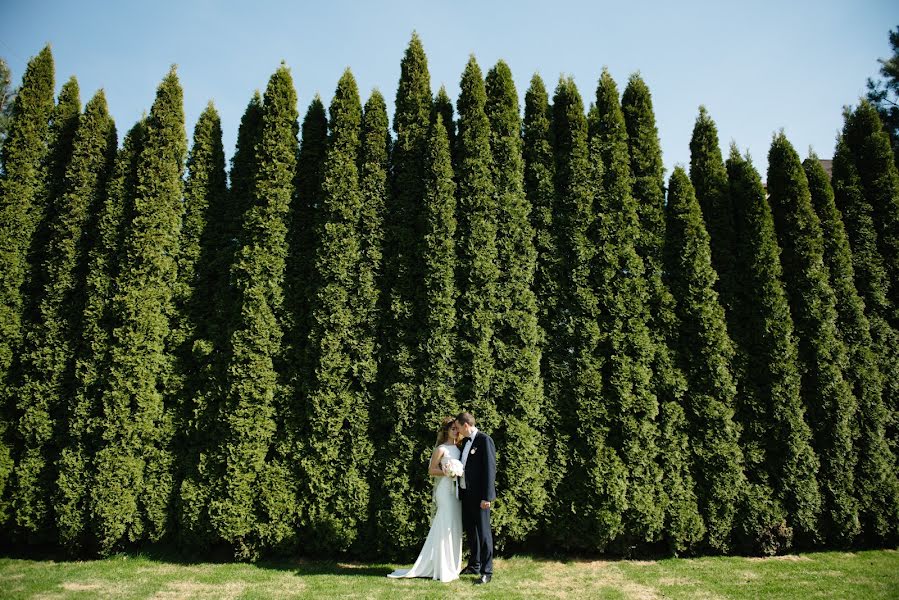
column 441, row 556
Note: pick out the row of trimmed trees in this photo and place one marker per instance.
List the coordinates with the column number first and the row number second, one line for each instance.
column 257, row 360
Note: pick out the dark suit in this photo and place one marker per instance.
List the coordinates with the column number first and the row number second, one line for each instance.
column 480, row 478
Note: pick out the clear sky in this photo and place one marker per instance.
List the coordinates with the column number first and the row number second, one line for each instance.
column 757, row 66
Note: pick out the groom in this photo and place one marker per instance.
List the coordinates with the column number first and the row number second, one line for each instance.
column 477, row 493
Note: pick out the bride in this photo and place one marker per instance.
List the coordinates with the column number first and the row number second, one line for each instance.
column 441, row 556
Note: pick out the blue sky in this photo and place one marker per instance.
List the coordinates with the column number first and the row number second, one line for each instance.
column 757, row 66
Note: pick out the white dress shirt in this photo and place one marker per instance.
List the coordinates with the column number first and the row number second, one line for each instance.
column 474, row 432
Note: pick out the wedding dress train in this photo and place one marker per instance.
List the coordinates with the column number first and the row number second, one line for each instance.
column 441, row 556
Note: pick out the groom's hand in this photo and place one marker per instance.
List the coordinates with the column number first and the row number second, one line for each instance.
column 485, row 505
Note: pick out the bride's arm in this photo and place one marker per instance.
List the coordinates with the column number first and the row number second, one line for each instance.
column 434, row 469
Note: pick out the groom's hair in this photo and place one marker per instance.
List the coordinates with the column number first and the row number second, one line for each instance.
column 465, row 418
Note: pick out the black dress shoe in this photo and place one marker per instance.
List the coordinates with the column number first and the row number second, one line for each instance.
column 469, row 570
column 483, row 579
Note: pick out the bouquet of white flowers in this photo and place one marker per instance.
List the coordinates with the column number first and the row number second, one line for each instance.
column 454, row 468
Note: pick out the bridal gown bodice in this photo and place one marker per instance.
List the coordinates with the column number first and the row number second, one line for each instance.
column 441, row 556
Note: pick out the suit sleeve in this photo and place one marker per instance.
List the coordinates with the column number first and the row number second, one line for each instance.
column 489, row 470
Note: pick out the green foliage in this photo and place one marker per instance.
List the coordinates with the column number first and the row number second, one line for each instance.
column 705, row 352
column 709, row 178
column 875, row 473
column 133, row 486
column 620, row 279
column 477, row 271
column 333, row 486
column 827, row 395
column 49, row 342
column 108, row 230
column 879, row 177
column 884, row 94
column 402, row 505
column 253, row 504
column 38, row 399
column 540, row 192
column 683, row 524
column 22, row 189
column 517, row 387
column 589, row 502
column 443, row 106
column 7, row 95
column 438, row 337
column 203, row 263
column 783, row 502
column 870, row 276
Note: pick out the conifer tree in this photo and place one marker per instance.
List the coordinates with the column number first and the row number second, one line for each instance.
column 828, row 398
column 108, row 230
column 21, row 197
column 36, row 404
column 477, row 271
column 300, row 283
column 870, row 146
column 438, row 337
column 683, row 524
column 518, row 387
column 403, row 504
column 201, row 472
column 252, row 504
column 47, row 361
column 133, row 485
column 590, row 499
column 875, row 473
column 620, row 279
column 202, row 280
column 336, row 415
column 782, row 501
column 705, row 353
column 870, row 276
column 443, row 106
column 709, row 178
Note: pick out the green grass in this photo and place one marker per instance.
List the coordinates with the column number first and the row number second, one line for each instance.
column 868, row 575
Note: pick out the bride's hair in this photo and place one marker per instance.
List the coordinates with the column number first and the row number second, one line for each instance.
column 444, row 431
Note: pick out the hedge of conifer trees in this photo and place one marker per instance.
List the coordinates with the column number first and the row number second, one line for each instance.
column 256, row 362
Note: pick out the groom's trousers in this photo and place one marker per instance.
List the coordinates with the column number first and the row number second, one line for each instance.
column 476, row 523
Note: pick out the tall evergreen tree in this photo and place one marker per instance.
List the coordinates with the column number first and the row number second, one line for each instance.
column 705, row 354
column 870, row 276
column 443, row 106
column 133, row 485
column 252, row 504
column 620, row 280
column 709, row 178
column 590, row 499
column 870, row 146
column 438, row 336
column 875, row 473
column 47, row 361
column 374, row 168
column 62, row 127
column 477, row 271
column 21, row 197
column 37, row 407
column 518, row 387
column 336, row 414
column 683, row 524
column 828, row 397
column 403, row 504
column 84, row 429
column 783, row 501
column 202, row 279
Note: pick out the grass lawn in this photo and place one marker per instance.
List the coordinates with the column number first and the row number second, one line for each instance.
column 865, row 575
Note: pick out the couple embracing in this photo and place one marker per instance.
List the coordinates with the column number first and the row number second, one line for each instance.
column 464, row 465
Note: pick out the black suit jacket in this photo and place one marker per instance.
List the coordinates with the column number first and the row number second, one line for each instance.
column 480, row 468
